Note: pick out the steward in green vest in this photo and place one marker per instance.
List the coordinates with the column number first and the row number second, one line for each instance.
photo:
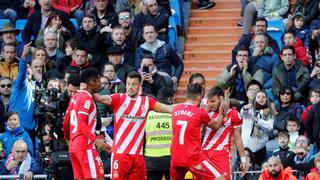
column 158, row 139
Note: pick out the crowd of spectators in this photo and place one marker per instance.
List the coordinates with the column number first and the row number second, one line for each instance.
column 40, row 73
column 275, row 89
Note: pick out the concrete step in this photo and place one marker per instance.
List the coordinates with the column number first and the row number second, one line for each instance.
column 209, row 46
column 213, row 21
column 216, row 13
column 207, row 72
column 206, row 64
column 191, row 55
column 215, row 30
column 218, row 38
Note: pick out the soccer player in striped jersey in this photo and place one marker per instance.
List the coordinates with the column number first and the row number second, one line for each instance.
column 79, row 130
column 217, row 142
column 186, row 153
column 130, row 112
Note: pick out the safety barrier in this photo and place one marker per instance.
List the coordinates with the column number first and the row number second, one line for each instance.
column 36, row 176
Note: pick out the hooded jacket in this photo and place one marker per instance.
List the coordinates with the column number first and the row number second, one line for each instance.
column 285, row 174
column 301, row 52
column 11, row 135
column 164, row 57
column 75, row 68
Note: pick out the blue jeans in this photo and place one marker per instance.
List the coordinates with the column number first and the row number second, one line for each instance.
column 9, row 14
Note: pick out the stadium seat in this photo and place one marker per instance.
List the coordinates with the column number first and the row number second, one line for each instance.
column 3, row 21
column 20, row 25
column 172, row 32
column 276, row 29
column 75, row 23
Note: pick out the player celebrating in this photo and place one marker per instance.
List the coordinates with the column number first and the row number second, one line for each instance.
column 186, row 155
column 130, row 112
column 217, row 143
column 79, row 127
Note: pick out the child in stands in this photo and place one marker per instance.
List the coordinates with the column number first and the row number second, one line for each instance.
column 285, row 154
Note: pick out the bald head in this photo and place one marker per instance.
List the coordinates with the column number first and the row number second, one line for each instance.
column 19, row 150
column 274, row 166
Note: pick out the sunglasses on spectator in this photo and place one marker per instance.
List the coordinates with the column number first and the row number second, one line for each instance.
column 287, row 93
column 4, row 85
column 124, row 17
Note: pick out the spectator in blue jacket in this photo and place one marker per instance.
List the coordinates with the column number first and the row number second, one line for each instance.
column 13, row 133
column 264, row 57
column 21, row 97
column 20, row 162
column 165, row 57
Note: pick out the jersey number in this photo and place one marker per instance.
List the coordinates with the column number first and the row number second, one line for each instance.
column 183, row 125
column 73, row 121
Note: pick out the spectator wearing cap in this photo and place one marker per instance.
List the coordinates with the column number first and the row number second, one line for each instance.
column 165, row 57
column 39, row 19
column 8, row 10
column 9, row 35
column 291, row 72
column 9, row 61
column 309, row 10
column 155, row 16
column 115, row 57
column 298, row 27
column 118, row 38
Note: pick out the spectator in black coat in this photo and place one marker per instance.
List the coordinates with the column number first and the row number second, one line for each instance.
column 152, row 80
column 155, row 16
column 313, row 125
column 89, row 36
column 104, row 13
column 118, row 38
column 39, row 19
column 115, row 57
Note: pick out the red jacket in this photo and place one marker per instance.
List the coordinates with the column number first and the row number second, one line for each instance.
column 304, row 115
column 286, row 174
column 66, row 5
column 301, row 52
column 313, row 175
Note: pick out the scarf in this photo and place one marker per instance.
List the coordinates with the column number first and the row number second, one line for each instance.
column 23, row 168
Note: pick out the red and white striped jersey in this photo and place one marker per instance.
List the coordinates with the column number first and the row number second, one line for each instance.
column 221, row 139
column 80, row 121
column 129, row 122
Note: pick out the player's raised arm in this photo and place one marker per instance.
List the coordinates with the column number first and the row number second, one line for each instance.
column 159, row 107
column 104, row 99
